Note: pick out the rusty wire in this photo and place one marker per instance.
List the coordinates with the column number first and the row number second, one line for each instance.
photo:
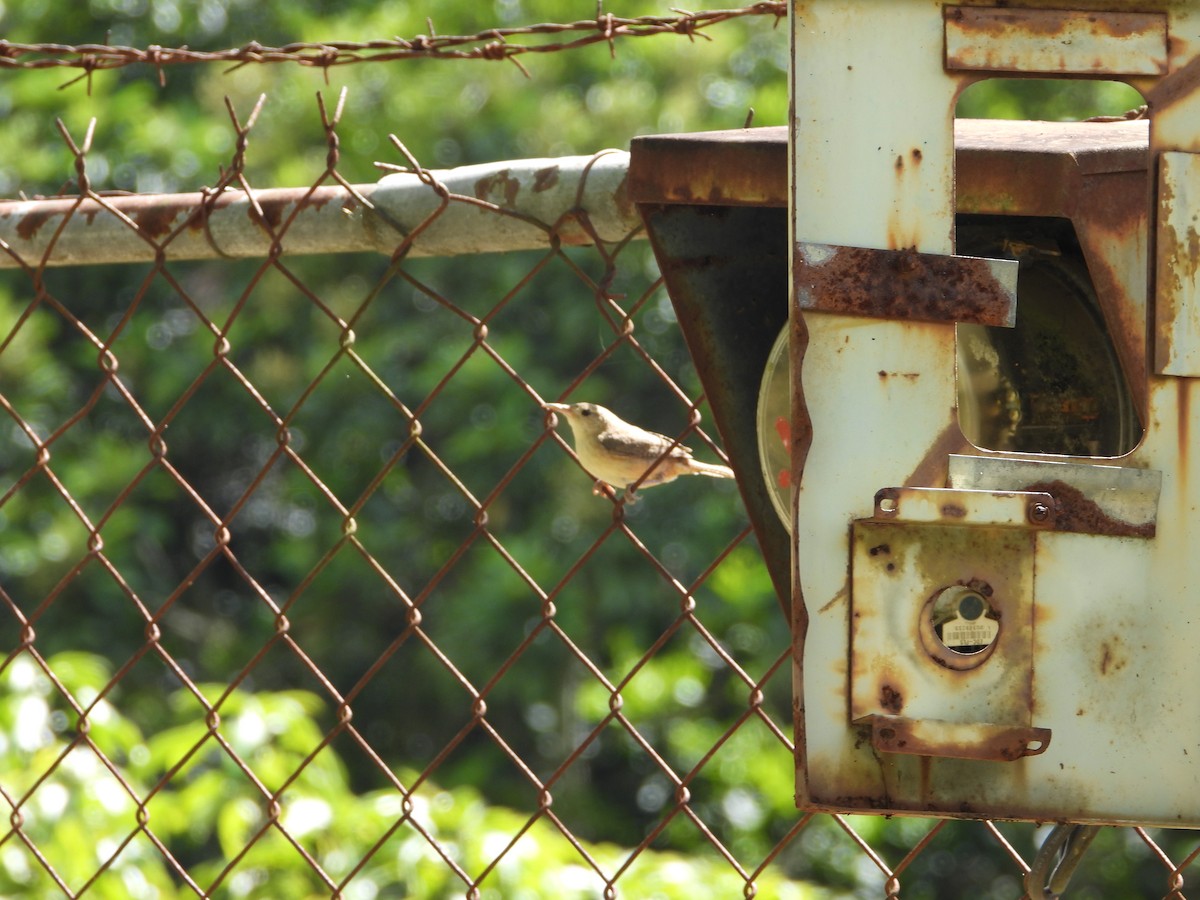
column 490, row 44
column 224, row 549
column 414, row 606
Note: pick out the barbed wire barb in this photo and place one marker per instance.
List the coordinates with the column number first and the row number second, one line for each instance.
column 491, row 44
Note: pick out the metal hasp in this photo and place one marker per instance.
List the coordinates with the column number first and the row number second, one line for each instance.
column 1000, row 633
column 953, row 676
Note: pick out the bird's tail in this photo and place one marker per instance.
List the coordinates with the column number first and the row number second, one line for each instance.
column 696, row 467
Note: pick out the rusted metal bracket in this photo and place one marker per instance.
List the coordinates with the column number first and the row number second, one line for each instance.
column 1026, row 509
column 931, row 737
column 1117, row 501
column 905, row 284
column 1061, row 41
column 941, row 624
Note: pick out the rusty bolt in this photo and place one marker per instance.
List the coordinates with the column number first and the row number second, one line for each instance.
column 1039, row 513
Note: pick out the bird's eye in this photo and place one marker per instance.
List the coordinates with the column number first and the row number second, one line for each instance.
column 585, row 412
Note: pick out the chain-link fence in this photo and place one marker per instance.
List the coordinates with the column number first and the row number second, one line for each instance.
column 304, row 594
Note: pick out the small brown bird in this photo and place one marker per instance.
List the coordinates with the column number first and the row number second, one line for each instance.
column 617, row 453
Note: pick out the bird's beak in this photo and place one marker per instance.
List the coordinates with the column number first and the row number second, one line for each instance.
column 558, row 407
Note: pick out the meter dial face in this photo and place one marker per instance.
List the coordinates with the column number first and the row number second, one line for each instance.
column 774, row 428
column 1052, row 384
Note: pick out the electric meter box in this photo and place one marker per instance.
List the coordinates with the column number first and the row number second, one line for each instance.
column 965, row 357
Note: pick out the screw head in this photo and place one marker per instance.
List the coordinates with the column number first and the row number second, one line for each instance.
column 1039, row 512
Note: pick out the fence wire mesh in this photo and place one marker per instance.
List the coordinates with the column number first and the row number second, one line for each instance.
column 304, row 593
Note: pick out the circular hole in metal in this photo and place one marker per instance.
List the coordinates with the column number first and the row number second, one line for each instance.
column 964, row 620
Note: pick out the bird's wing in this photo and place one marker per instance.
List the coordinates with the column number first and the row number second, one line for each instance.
column 639, row 444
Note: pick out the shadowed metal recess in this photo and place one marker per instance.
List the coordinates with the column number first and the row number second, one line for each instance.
column 714, row 207
column 715, row 211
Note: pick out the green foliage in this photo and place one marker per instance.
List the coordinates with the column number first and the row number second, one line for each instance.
column 183, row 788
column 1047, row 99
column 447, row 112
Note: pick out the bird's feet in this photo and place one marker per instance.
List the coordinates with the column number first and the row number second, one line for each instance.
column 601, row 489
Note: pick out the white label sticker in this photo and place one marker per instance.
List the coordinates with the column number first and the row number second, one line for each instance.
column 963, row 633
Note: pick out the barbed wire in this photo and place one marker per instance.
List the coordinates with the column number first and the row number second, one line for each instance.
column 490, row 44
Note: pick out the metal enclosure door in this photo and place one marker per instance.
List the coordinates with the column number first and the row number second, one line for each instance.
column 985, row 634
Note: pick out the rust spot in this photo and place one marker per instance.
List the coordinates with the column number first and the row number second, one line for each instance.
column 1177, row 86
column 623, row 199
column 501, row 188
column 982, row 587
column 899, row 163
column 840, row 597
column 1183, row 418
column 1178, row 46
column 1039, row 513
column 899, row 735
column 953, row 511
column 1075, row 512
column 932, row 469
column 1010, row 750
column 273, row 212
column 1111, row 658
column 997, row 24
column 155, row 222
column 319, row 198
column 850, row 801
column 880, row 548
column 31, row 223
column 887, row 501
column 917, row 155
column 544, row 179
column 900, row 284
column 737, row 166
column 1001, row 40
column 891, row 699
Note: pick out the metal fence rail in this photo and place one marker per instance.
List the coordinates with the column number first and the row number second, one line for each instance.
column 280, row 530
